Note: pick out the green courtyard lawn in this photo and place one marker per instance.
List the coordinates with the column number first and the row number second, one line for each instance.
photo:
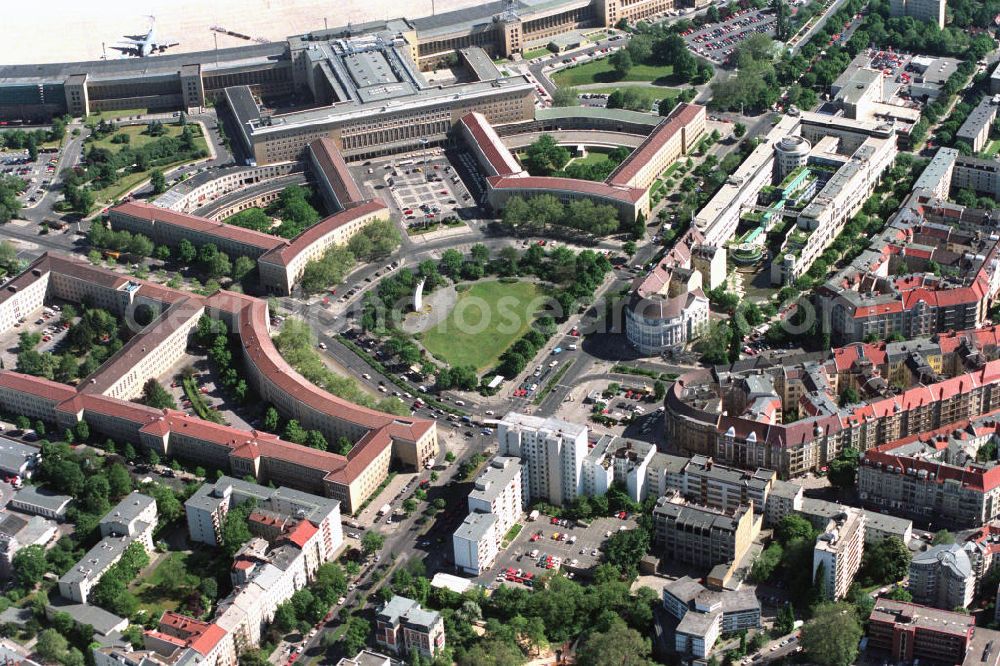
column 601, row 71
column 465, row 338
column 594, row 156
column 176, row 579
column 992, row 148
column 130, row 180
column 137, row 139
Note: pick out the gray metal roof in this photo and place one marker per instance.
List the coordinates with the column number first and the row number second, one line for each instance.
column 97, row 560
column 495, row 478
column 129, row 508
column 475, row 526
column 408, row 611
column 170, row 63
column 951, row 556
column 557, row 112
column 35, row 496
column 14, row 455
column 101, row 620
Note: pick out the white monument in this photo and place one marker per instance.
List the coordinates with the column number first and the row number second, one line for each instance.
column 418, row 296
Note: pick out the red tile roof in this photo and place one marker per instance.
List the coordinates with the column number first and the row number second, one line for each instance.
column 301, row 533
column 334, row 168
column 969, row 477
column 489, row 143
column 208, row 641
column 682, row 116
column 252, row 316
column 158, row 215
column 39, row 386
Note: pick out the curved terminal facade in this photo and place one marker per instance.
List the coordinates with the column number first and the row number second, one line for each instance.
column 103, row 399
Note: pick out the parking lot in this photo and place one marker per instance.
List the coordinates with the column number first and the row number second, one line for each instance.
column 544, row 546
column 718, row 41
column 45, row 323
column 425, row 191
column 37, row 174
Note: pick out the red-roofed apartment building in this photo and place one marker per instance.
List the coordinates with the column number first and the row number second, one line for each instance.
column 626, row 189
column 281, row 262
column 904, row 388
column 101, row 399
column 933, row 269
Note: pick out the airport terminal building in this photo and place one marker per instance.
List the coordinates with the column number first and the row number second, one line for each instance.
column 304, row 64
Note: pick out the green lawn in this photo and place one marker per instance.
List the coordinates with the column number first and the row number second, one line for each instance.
column 174, row 580
column 601, row 71
column 648, row 95
column 487, row 318
column 536, row 53
column 128, row 181
column 137, row 139
column 593, row 157
column 992, row 148
column 512, row 533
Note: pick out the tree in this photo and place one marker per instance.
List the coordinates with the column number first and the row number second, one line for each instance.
column 831, row 637
column 767, row 563
column 844, row 468
column 565, row 97
column 356, row 635
column 899, row 594
column 544, row 156
column 51, row 645
column 785, row 621
column 186, row 252
column 887, row 561
column 943, row 537
column 624, row 549
column 792, row 527
column 235, row 529
column 619, row 644
column 659, row 390
column 154, row 395
column 621, row 61
column 372, row 542
column 119, row 481
column 271, row 420
column 739, row 129
column 158, row 182
column 849, row 396
column 242, row 267
column 29, row 566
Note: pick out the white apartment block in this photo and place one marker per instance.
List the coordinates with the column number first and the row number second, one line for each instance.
column 839, row 550
column 498, row 491
column 551, row 452
column 475, row 543
column 131, row 521
column 616, row 460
